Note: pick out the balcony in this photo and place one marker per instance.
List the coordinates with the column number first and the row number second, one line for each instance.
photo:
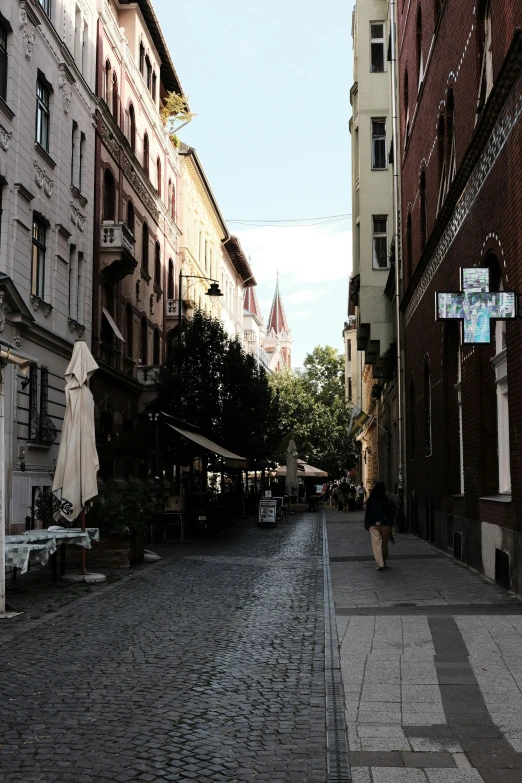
column 173, row 306
column 116, row 251
column 148, row 374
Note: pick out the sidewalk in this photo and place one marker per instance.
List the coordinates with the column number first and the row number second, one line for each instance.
column 431, row 660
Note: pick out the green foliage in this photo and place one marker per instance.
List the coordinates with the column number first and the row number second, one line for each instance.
column 123, row 513
column 388, row 364
column 314, row 412
column 223, row 390
column 175, row 113
column 46, row 505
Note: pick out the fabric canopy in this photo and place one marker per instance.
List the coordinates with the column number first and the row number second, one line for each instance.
column 113, row 326
column 12, row 355
column 292, row 481
column 206, row 444
column 304, row 470
column 77, row 464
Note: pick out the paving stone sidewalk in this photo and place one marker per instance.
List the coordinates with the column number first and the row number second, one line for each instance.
column 206, row 669
column 431, row 661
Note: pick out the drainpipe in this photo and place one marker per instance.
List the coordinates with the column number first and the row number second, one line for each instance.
column 396, row 218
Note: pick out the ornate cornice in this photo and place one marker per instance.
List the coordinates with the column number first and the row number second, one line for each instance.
column 43, row 180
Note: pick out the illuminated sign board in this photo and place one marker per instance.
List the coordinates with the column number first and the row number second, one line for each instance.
column 476, row 306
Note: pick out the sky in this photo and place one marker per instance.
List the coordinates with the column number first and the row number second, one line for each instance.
column 269, row 81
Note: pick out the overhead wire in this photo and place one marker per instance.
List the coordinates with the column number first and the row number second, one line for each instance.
column 292, row 222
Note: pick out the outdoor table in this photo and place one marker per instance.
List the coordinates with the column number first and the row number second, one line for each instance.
column 20, row 550
column 67, row 535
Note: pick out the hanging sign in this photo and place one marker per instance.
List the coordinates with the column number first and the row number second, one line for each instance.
column 476, row 306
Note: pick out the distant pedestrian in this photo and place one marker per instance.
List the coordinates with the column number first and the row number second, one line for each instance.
column 361, row 494
column 343, row 496
column 379, row 518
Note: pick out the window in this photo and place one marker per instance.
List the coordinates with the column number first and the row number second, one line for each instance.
column 129, row 331
column 441, row 139
column 206, row 255
column 107, row 334
column 42, row 115
column 420, row 56
column 157, row 264
column 144, row 341
column 485, row 54
column 173, row 204
column 132, row 129
column 458, row 389
column 170, row 281
column 349, row 350
column 3, row 62
column 349, row 388
column 85, row 46
column 46, row 5
column 109, row 196
column 423, row 211
column 377, row 48
column 436, row 10
column 413, row 422
column 406, row 109
column 130, row 216
column 146, row 153
column 378, row 144
column 158, row 176
column 153, row 90
column 501, row 379
column 145, row 248
column 427, row 411
column 156, row 348
column 142, row 58
column 77, row 34
column 106, row 87
column 148, row 73
column 81, row 168
column 115, row 100
column 409, row 247
column 380, row 241
column 38, row 265
column 74, row 149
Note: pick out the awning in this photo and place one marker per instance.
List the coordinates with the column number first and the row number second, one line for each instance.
column 207, row 444
column 13, row 355
column 303, row 470
column 113, row 326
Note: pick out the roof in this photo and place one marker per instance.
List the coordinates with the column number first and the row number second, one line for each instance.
column 189, row 152
column 241, row 263
column 168, row 74
column 277, row 318
column 250, row 303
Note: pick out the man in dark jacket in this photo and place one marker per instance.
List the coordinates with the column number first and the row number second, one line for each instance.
column 379, row 518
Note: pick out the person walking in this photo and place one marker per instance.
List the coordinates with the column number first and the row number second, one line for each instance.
column 379, row 518
column 361, row 494
column 343, row 496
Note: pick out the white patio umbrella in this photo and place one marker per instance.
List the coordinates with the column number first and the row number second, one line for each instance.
column 77, row 464
column 291, row 483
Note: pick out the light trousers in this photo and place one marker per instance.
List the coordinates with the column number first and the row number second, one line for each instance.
column 380, row 535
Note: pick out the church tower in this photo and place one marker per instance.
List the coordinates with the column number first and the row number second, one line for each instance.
column 278, row 340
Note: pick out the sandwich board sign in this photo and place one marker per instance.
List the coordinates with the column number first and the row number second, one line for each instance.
column 267, row 512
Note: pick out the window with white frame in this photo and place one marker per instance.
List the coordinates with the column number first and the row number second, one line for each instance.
column 46, row 5
column 377, row 48
column 42, row 115
column 380, row 241
column 378, row 144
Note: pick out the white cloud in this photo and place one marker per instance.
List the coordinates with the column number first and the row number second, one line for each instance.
column 305, row 295
column 301, row 314
column 301, row 254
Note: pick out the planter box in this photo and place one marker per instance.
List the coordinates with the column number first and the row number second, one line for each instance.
column 108, row 552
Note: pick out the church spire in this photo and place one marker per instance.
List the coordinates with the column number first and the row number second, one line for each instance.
column 277, row 318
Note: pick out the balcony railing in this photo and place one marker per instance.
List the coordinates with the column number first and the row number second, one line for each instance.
column 116, row 250
column 148, row 374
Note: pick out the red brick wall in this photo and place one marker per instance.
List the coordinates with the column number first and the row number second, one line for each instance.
column 491, row 223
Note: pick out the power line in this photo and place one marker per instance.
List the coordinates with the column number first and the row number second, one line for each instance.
column 241, row 223
column 291, row 220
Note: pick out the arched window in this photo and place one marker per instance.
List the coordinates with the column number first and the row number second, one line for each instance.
column 3, row 62
column 406, row 108
column 115, row 97
column 145, row 248
column 423, row 211
column 109, row 196
column 130, row 216
column 427, row 411
column 420, row 56
column 153, row 90
column 157, row 264
column 142, row 58
column 413, row 422
column 144, row 347
column 148, row 73
column 409, row 247
column 169, row 196
column 146, row 153
column 441, row 164
column 485, row 53
column 129, row 331
column 156, row 348
column 158, row 175
column 132, row 128
column 170, row 281
column 106, row 87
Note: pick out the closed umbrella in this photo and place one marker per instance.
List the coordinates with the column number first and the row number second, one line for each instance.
column 75, row 480
column 291, row 483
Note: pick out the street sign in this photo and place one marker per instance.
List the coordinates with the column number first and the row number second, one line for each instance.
column 476, row 306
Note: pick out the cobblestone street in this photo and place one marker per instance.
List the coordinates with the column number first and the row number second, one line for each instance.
column 208, row 668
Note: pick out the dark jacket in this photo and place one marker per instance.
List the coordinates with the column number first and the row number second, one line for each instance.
column 377, row 515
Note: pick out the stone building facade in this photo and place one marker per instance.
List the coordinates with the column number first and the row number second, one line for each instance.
column 461, row 148
column 136, row 211
column 47, row 149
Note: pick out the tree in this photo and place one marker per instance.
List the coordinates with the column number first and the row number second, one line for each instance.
column 314, row 412
column 221, row 389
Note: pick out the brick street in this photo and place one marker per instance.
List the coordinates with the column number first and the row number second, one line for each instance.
column 210, row 666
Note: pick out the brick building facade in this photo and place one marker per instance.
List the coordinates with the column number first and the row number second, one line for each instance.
column 460, row 70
